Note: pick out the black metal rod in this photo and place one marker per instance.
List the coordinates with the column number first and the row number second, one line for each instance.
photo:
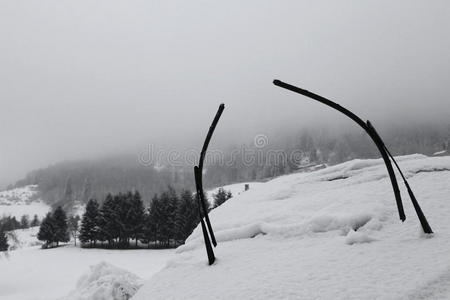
column 199, row 181
column 423, row 220
column 201, row 201
column 209, row 249
column 376, row 139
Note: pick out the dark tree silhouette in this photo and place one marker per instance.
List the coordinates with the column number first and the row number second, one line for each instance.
column 61, row 233
column 47, row 230
column 3, row 240
column 35, row 221
column 221, row 196
column 89, row 231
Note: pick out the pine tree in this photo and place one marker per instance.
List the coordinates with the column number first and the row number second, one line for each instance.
column 221, row 196
column 47, row 230
column 108, row 222
column 187, row 216
column 24, row 222
column 35, row 221
column 136, row 216
column 89, row 224
column 123, row 209
column 168, row 202
column 146, row 234
column 61, row 229
column 153, row 224
column 3, row 240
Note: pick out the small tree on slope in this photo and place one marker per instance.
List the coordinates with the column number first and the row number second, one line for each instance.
column 35, row 221
column 3, row 241
column 221, row 196
column 47, row 230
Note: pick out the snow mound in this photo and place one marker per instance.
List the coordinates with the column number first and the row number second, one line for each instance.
column 23, row 238
column 236, row 189
column 314, row 235
column 106, row 282
column 356, row 237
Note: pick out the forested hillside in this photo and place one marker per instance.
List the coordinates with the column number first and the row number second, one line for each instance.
column 77, row 181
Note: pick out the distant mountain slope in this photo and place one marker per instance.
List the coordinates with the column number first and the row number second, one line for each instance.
column 75, row 182
column 22, row 201
column 328, row 234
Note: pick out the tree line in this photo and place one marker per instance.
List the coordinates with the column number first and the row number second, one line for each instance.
column 11, row 223
column 122, row 219
column 56, row 228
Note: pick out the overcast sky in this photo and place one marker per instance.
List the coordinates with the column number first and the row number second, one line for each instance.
column 83, row 78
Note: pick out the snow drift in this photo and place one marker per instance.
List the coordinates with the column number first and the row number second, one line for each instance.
column 329, row 234
column 105, row 282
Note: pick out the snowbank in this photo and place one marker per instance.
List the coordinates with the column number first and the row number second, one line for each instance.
column 23, row 238
column 329, row 234
column 105, row 282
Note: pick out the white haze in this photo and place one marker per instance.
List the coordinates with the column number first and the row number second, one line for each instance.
column 87, row 78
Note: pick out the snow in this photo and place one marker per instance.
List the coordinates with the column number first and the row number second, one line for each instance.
column 35, row 274
column 440, row 152
column 235, row 189
column 23, row 238
column 106, row 282
column 20, row 201
column 329, row 234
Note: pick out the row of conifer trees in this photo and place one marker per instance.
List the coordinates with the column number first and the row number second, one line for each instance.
column 123, row 220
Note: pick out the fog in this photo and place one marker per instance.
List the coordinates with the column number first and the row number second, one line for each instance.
column 82, row 79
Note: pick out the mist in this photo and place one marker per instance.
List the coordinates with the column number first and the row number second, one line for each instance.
column 91, row 78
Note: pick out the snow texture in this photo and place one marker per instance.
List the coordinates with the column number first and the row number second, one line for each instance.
column 32, row 273
column 329, row 234
column 20, row 201
column 106, row 282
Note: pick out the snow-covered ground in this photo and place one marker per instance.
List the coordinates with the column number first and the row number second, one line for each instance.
column 236, row 189
column 20, row 201
column 23, row 238
column 35, row 274
column 328, row 234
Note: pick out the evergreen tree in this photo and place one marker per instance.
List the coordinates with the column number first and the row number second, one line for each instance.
column 123, row 208
column 108, row 222
column 135, row 216
column 3, row 240
column 47, row 230
column 35, row 221
column 24, row 222
column 89, row 224
column 221, row 196
column 168, row 202
column 146, row 233
column 186, row 217
column 153, row 223
column 61, row 233
column 10, row 223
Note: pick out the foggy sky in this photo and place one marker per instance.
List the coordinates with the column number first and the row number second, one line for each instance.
column 86, row 78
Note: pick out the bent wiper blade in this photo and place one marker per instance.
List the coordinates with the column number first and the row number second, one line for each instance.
column 381, row 148
column 423, row 220
column 201, row 201
column 376, row 139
